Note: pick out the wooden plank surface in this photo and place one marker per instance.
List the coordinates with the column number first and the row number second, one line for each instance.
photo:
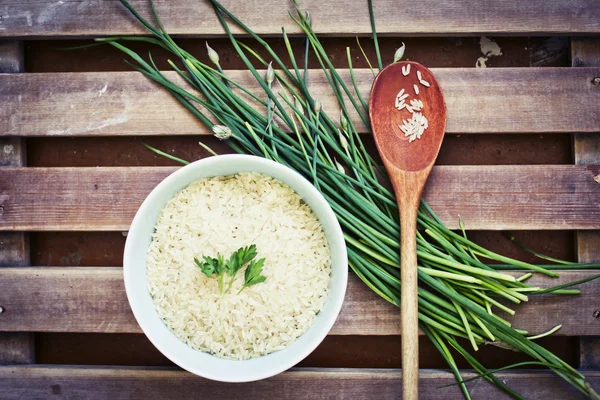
column 487, row 198
column 585, row 52
column 301, row 383
column 12, row 151
column 14, row 249
column 586, row 148
column 80, row 299
column 108, row 17
column 15, row 347
column 590, row 352
column 493, row 100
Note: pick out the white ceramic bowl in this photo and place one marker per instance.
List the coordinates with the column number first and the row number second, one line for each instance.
column 204, row 364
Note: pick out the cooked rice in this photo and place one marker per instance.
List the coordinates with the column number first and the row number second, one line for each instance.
column 220, row 215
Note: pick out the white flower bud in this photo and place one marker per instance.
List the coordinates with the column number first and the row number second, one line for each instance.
column 270, row 74
column 340, row 167
column 343, row 121
column 399, row 53
column 343, row 141
column 308, row 18
column 221, row 132
column 317, row 106
column 214, row 57
column 298, row 104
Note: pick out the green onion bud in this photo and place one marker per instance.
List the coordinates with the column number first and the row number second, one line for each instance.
column 461, row 223
column 221, row 132
column 343, row 121
column 340, row 167
column 270, row 73
column 317, row 106
column 308, row 18
column 399, row 53
column 298, row 104
column 343, row 141
column 214, row 57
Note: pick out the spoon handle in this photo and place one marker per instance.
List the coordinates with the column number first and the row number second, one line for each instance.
column 409, row 310
column 408, row 187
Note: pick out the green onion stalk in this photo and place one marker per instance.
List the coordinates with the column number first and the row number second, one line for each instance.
column 459, row 294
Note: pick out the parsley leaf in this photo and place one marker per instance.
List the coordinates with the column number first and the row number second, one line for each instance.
column 253, row 274
column 213, row 266
column 208, row 266
column 240, row 258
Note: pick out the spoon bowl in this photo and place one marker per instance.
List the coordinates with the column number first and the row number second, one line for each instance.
column 394, row 147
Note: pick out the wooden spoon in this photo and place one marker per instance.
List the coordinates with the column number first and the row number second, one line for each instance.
column 408, row 165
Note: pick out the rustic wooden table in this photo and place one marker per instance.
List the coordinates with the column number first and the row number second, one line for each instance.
column 521, row 154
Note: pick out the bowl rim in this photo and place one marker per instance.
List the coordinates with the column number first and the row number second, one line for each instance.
column 335, row 232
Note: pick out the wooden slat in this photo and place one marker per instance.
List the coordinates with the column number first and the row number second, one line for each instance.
column 12, row 151
column 15, row 347
column 590, row 352
column 586, row 52
column 490, row 197
column 12, row 60
column 108, row 17
column 301, row 383
column 78, row 299
column 14, row 249
column 492, row 100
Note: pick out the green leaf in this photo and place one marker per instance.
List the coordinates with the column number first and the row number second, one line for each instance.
column 254, row 269
column 209, row 266
column 239, row 258
column 252, row 276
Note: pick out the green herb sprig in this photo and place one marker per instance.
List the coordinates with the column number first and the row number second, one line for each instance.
column 219, row 267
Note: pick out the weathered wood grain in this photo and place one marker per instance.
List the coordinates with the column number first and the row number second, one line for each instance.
column 487, row 198
column 492, row 100
column 586, row 52
column 300, row 383
column 590, row 352
column 14, row 249
column 12, row 151
column 12, row 59
column 79, row 299
column 108, row 17
column 15, row 348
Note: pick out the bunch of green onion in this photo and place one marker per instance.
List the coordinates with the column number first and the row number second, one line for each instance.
column 459, row 293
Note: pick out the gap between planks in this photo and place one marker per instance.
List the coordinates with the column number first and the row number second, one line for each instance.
column 550, row 197
column 299, row 383
column 78, row 18
column 92, row 299
column 492, row 100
